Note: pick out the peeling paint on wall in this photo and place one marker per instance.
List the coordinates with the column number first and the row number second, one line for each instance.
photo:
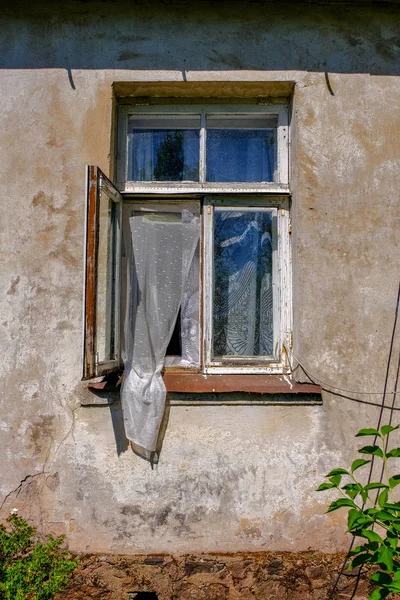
column 230, row 478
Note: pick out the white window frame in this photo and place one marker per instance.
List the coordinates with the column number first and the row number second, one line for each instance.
column 265, row 194
column 282, row 301
column 161, row 187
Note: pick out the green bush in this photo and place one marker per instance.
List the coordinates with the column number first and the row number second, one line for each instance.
column 373, row 515
column 30, row 569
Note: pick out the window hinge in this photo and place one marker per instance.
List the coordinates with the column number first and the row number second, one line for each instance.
column 291, row 340
column 209, row 210
column 96, row 363
column 290, row 225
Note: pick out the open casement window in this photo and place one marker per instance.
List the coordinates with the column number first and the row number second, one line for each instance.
column 102, row 353
column 204, row 202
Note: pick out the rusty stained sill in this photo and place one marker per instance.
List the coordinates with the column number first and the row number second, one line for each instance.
column 275, row 386
column 198, row 383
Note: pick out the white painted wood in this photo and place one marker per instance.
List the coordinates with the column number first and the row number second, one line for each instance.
column 143, row 187
column 252, row 108
column 282, row 288
column 241, row 195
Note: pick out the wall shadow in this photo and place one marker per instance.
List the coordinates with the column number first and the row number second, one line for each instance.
column 340, row 37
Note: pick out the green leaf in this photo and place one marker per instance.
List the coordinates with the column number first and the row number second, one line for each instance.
column 383, row 498
column 352, row 517
column 371, row 536
column 393, row 481
column 385, row 429
column 352, row 489
column 396, row 576
column 340, row 503
column 379, row 594
column 355, row 550
column 359, row 462
column 395, row 453
column 375, row 486
column 325, row 486
column 375, row 450
column 384, row 516
column 335, row 480
column 392, row 539
column 381, row 578
column 360, row 559
column 363, row 432
column 393, row 506
column 385, row 558
column 338, row 471
column 362, row 521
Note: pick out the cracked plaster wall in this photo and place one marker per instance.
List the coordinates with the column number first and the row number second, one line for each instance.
column 230, row 478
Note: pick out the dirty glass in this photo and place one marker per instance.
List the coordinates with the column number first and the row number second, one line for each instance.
column 107, row 279
column 241, row 148
column 244, row 248
column 163, row 148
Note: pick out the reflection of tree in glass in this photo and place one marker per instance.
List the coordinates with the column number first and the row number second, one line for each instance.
column 169, row 163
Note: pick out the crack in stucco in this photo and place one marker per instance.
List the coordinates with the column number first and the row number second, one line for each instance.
column 70, row 430
column 19, row 487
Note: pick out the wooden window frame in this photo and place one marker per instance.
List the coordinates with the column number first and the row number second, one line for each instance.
column 258, row 377
column 96, row 184
column 279, row 364
column 158, row 106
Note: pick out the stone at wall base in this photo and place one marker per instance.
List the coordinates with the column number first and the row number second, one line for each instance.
column 244, row 576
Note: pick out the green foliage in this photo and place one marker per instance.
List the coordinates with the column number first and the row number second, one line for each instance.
column 30, row 569
column 375, row 519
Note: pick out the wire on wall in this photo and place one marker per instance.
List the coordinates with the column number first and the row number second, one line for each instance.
column 382, row 407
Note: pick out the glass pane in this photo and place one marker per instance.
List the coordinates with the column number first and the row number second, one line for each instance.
column 241, row 148
column 163, row 148
column 244, row 243
column 107, row 280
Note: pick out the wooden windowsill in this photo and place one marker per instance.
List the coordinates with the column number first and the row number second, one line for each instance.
column 198, row 383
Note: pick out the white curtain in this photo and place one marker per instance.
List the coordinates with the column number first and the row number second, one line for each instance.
column 243, row 296
column 160, row 258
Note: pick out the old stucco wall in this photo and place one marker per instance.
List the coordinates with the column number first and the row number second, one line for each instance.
column 230, row 477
